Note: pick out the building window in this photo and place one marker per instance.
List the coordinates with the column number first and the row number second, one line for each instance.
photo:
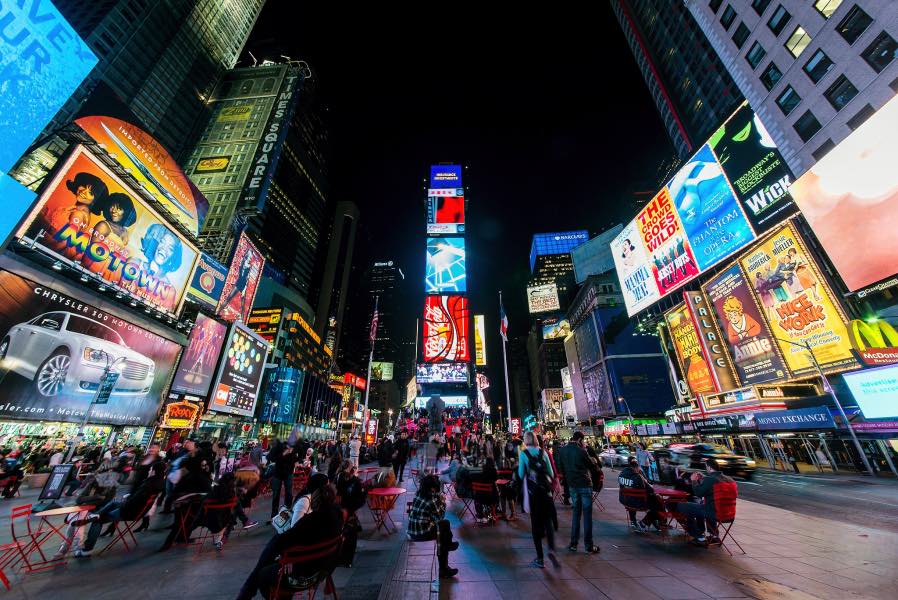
column 778, row 20
column 840, row 92
column 881, row 52
column 760, row 6
column 771, row 75
column 727, row 18
column 715, row 5
column 806, row 126
column 798, row 41
column 861, row 116
column 827, row 7
column 823, row 150
column 742, row 33
column 788, row 100
column 818, row 66
column 755, row 55
column 854, row 24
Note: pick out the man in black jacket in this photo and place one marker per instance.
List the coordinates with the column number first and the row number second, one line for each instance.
column 574, row 466
column 401, row 451
column 632, row 478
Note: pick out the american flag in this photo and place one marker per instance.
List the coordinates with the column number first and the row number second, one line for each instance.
column 503, row 321
column 373, row 334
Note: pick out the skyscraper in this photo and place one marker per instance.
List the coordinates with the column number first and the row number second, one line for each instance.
column 332, row 287
column 692, row 90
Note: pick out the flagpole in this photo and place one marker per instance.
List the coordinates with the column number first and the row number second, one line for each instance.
column 505, row 365
column 368, row 380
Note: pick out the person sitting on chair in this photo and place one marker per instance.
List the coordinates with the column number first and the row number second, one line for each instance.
column 632, row 478
column 427, row 522
column 697, row 513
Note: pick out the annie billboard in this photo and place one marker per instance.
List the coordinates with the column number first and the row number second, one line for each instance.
column 88, row 218
column 54, row 350
column 197, row 366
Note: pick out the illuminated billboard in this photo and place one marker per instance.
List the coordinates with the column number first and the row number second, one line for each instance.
column 479, row 341
column 54, row 349
column 242, row 281
column 632, row 265
column 197, row 366
column 207, row 281
column 266, row 322
column 89, row 219
column 445, row 176
column 556, row 328
column 44, row 61
column 798, row 304
column 850, row 199
column 153, row 167
column 670, row 254
column 710, row 339
column 543, row 298
column 445, row 214
column 237, row 385
column 442, row 373
column 446, row 329
column 382, row 371
column 560, row 242
column 755, row 169
column 448, row 401
column 875, row 391
column 688, row 351
column 445, row 269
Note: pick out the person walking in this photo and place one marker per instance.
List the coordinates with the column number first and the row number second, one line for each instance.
column 574, row 465
column 400, row 452
column 644, row 458
column 283, row 458
column 355, row 447
column 535, row 470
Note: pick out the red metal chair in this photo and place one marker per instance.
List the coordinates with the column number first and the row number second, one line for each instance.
column 210, row 506
column 30, row 541
column 467, row 503
column 11, row 486
column 635, row 500
column 725, row 495
column 9, row 555
column 415, row 476
column 596, row 490
column 329, row 550
column 380, row 509
column 488, row 490
column 123, row 529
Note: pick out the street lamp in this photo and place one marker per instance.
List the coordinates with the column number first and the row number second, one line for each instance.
column 623, row 401
column 832, row 394
column 116, row 364
column 500, row 417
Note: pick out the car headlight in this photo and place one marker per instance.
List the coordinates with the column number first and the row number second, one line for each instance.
column 96, row 356
column 749, row 462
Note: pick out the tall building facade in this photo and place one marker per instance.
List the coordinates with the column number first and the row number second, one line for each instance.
column 692, row 90
column 333, row 285
column 261, row 163
column 813, row 71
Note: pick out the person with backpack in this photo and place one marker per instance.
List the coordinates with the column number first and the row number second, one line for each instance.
column 535, row 470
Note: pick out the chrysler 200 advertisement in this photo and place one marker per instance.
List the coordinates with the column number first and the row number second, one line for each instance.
column 55, row 348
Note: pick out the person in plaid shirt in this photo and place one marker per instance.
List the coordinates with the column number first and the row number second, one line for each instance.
column 426, row 522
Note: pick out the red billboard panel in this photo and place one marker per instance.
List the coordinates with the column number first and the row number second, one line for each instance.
column 446, row 329
column 242, row 281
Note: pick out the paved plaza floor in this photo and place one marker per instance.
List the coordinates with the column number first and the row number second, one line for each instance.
column 788, row 555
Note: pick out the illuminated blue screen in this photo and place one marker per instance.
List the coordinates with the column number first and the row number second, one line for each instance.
column 560, row 242
column 445, row 265
column 445, row 176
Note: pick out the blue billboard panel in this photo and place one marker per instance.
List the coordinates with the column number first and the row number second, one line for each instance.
column 17, row 199
column 875, row 391
column 281, row 395
column 560, row 242
column 710, row 213
column 445, row 270
column 445, row 176
column 42, row 61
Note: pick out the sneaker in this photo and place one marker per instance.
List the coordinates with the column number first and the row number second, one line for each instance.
column 218, row 545
column 700, row 541
column 657, row 526
column 538, row 563
column 81, row 553
column 448, row 572
column 250, row 524
column 639, row 527
column 572, row 547
column 593, row 549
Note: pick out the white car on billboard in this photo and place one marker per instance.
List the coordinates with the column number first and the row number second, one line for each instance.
column 65, row 354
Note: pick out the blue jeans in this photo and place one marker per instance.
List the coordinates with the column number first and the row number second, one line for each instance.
column 108, row 513
column 695, row 514
column 582, row 501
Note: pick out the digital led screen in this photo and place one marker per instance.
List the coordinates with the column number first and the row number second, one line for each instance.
column 445, row 215
column 89, row 219
column 542, row 298
column 448, row 401
column 875, row 391
column 556, row 328
column 237, row 385
column 445, row 176
column 207, row 281
column 479, row 341
column 242, row 281
column 850, row 199
column 445, row 269
column 382, row 371
column 197, row 366
column 560, row 242
column 446, row 329
column 442, row 373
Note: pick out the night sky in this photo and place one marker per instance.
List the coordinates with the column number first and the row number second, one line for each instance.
column 547, row 111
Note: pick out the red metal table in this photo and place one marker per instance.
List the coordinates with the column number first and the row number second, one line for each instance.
column 44, row 532
column 670, row 497
column 381, row 501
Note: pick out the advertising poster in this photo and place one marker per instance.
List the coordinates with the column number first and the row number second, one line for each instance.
column 445, row 269
column 266, row 322
column 445, row 214
column 197, row 367
column 755, row 168
column 382, row 371
column 709, row 336
column 850, row 194
column 798, row 305
column 677, row 377
column 207, row 282
column 153, row 167
column 688, row 350
column 708, row 210
column 282, row 389
column 543, row 298
column 876, row 343
column 479, row 341
column 44, row 61
column 242, row 281
column 212, row 164
column 240, row 373
column 670, row 256
column 875, row 391
column 445, row 176
column 54, row 350
column 446, row 329
column 754, row 351
column 632, row 264
column 556, row 328
column 88, row 218
column 442, row 373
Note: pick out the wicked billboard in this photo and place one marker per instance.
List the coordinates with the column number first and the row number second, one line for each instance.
column 54, row 350
column 88, row 218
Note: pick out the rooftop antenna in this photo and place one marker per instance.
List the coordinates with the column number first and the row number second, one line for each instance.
column 255, row 62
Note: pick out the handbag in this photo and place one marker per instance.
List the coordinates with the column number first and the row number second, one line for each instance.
column 281, row 521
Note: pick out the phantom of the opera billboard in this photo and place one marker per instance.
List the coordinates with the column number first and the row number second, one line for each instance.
column 55, row 348
column 197, row 367
column 90, row 220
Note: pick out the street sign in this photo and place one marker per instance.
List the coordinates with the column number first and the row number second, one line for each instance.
column 106, row 385
column 52, row 490
column 514, row 426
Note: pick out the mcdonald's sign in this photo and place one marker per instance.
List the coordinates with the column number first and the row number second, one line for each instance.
column 875, row 344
